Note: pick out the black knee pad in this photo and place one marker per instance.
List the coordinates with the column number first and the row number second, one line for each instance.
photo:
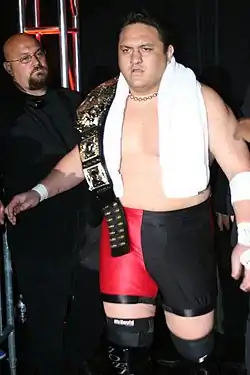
column 129, row 333
column 194, row 350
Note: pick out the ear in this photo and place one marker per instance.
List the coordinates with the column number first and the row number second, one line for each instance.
column 170, row 52
column 8, row 68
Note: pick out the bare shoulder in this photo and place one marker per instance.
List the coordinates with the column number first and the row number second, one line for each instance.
column 231, row 154
column 215, row 105
column 220, row 117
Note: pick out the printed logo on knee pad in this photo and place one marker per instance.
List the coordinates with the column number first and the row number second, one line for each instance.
column 120, row 366
column 123, row 322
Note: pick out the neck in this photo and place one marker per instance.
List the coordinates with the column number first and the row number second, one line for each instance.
column 144, row 92
column 139, row 95
column 40, row 92
column 143, row 98
column 36, row 92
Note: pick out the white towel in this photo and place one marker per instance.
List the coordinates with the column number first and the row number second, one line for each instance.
column 183, row 133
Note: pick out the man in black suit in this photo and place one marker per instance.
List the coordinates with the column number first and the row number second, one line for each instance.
column 36, row 132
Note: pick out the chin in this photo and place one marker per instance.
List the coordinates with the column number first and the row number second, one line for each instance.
column 137, row 82
column 38, row 85
column 139, row 88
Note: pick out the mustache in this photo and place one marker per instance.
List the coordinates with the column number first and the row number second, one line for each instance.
column 39, row 67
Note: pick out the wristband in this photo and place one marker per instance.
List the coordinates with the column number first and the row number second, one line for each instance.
column 244, row 233
column 42, row 191
column 240, row 187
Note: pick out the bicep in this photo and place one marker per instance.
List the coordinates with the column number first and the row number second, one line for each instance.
column 231, row 154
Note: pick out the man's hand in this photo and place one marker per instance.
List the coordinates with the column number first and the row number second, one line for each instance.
column 243, row 129
column 223, row 221
column 1, row 213
column 238, row 269
column 21, row 202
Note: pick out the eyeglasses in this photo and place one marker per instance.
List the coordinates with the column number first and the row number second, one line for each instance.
column 26, row 59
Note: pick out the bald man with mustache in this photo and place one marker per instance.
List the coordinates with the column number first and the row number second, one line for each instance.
column 29, row 77
column 45, row 243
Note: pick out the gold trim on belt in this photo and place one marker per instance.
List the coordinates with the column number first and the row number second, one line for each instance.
column 91, row 117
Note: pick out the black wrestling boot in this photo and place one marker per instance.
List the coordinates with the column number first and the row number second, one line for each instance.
column 132, row 361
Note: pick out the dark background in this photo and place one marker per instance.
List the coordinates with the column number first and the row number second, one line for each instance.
column 213, row 37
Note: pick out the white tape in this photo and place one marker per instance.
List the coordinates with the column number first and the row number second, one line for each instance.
column 240, row 187
column 42, row 191
column 244, row 233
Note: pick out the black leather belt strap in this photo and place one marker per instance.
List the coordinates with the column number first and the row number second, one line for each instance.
column 99, row 181
column 116, row 220
column 117, row 228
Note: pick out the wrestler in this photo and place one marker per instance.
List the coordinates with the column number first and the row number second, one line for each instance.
column 243, row 132
column 151, row 130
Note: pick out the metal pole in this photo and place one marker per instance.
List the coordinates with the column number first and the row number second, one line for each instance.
column 64, row 64
column 37, row 16
column 37, row 12
column 9, row 304
column 21, row 15
column 76, row 44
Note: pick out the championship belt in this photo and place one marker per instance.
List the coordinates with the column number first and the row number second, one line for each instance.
column 91, row 117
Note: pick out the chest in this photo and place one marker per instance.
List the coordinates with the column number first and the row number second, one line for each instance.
column 140, row 132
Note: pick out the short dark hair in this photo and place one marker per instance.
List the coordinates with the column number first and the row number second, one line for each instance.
column 143, row 17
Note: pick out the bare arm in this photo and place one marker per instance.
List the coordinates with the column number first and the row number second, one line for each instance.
column 231, row 154
column 65, row 175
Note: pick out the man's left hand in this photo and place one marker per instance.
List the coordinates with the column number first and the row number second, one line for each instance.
column 223, row 221
column 237, row 268
column 1, row 213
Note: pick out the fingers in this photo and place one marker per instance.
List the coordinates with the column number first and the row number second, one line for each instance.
column 21, row 202
column 245, row 285
column 14, row 208
column 1, row 219
column 9, row 211
column 219, row 222
column 226, row 222
column 1, row 214
column 223, row 221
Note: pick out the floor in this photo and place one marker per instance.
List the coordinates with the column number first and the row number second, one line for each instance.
column 228, row 357
column 222, row 364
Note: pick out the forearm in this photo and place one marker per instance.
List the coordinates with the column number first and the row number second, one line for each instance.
column 242, row 211
column 65, row 175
